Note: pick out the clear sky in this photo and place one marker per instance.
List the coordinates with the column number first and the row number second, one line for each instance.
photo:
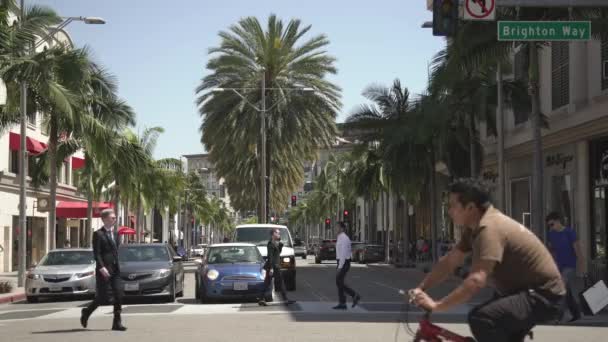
column 158, row 49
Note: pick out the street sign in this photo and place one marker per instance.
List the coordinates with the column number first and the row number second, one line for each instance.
column 544, row 30
column 480, row 10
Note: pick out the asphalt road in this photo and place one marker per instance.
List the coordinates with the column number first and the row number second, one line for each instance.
column 377, row 318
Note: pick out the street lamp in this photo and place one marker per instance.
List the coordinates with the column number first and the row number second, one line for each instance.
column 23, row 149
column 265, row 182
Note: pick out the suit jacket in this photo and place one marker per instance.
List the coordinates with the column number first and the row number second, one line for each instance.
column 105, row 250
column 274, row 254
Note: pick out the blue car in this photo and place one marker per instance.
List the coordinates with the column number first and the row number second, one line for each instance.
column 232, row 271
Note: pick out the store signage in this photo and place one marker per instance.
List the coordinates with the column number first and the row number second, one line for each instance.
column 559, row 159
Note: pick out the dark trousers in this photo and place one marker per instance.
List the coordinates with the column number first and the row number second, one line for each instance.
column 278, row 280
column 101, row 294
column 510, row 318
column 342, row 287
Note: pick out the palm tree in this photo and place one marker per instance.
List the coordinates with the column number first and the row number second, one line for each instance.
column 297, row 125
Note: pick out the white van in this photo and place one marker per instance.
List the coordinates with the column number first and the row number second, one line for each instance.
column 259, row 234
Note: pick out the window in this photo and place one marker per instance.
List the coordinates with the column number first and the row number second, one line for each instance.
column 604, row 59
column 520, row 69
column 560, row 74
column 222, row 191
column 31, row 117
column 66, row 172
column 520, row 200
column 14, row 161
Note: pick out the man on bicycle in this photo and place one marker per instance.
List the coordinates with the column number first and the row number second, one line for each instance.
column 529, row 287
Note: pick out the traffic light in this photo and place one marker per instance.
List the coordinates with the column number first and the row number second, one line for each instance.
column 293, row 200
column 345, row 215
column 327, row 223
column 445, row 17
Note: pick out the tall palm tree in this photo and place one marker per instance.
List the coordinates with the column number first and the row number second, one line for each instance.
column 297, row 124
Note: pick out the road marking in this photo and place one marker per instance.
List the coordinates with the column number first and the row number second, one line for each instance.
column 387, row 286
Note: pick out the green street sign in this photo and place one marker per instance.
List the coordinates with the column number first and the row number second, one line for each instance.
column 544, row 30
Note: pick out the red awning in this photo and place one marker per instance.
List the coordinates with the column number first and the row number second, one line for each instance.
column 68, row 209
column 33, row 146
column 122, row 230
column 77, row 163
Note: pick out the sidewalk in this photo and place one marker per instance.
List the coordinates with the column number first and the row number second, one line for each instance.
column 17, row 294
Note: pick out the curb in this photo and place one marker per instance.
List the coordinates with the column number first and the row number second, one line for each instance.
column 13, row 297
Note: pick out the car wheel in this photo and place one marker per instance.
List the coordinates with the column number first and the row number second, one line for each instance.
column 304, row 256
column 197, row 293
column 31, row 299
column 180, row 294
column 171, row 297
column 317, row 260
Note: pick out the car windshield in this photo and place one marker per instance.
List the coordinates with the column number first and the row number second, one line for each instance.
column 147, row 253
column 233, row 255
column 260, row 235
column 60, row 258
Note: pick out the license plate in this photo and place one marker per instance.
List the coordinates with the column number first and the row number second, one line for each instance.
column 55, row 289
column 240, row 286
column 132, row 287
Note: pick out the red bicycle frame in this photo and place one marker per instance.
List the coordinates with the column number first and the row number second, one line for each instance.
column 433, row 333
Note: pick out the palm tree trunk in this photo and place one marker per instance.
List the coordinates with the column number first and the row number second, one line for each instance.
column 387, row 238
column 138, row 221
column 433, row 206
column 501, row 141
column 537, row 175
column 472, row 152
column 406, row 231
column 53, row 132
column 116, row 202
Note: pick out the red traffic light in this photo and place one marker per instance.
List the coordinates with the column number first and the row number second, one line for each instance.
column 345, row 212
column 293, row 198
column 327, row 221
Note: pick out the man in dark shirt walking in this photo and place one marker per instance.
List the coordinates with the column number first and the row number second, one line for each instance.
column 107, row 270
column 273, row 267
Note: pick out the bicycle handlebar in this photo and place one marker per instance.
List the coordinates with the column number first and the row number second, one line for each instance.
column 411, row 300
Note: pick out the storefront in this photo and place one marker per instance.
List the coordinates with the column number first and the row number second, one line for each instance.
column 598, row 164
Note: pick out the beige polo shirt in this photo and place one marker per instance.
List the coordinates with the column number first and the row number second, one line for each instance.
column 522, row 260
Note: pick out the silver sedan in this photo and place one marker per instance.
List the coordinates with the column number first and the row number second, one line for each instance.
column 61, row 273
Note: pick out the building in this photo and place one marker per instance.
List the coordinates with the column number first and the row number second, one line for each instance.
column 574, row 97
column 70, row 227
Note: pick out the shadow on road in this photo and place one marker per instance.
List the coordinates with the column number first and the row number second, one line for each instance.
column 65, row 331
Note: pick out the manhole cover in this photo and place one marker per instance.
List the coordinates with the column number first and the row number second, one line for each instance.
column 149, row 309
column 26, row 314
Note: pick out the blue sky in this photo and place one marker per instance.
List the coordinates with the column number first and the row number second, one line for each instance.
column 159, row 51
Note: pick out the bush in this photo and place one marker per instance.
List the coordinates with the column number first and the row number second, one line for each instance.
column 5, row 286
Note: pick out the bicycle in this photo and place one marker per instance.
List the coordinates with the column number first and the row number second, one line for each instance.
column 430, row 332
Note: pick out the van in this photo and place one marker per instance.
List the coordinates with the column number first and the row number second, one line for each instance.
column 259, row 234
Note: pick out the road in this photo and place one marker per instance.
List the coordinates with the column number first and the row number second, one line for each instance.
column 379, row 317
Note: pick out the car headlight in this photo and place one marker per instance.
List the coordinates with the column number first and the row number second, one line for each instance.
column 33, row 276
column 85, row 274
column 286, row 260
column 163, row 273
column 263, row 274
column 213, row 274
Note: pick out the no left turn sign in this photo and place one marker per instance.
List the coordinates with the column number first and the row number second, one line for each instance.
column 480, row 10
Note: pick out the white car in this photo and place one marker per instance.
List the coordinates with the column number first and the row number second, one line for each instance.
column 198, row 250
column 259, row 235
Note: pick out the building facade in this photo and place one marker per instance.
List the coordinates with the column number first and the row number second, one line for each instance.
column 574, row 98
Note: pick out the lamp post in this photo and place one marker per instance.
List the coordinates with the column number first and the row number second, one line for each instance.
column 23, row 148
column 264, row 180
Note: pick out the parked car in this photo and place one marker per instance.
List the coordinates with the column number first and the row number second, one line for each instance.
column 198, row 250
column 61, row 273
column 299, row 248
column 231, row 271
column 372, row 253
column 259, row 234
column 325, row 251
column 151, row 270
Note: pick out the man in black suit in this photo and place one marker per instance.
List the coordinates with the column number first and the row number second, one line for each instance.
column 107, row 270
column 273, row 268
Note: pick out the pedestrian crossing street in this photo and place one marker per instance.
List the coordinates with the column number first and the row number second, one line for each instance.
column 178, row 309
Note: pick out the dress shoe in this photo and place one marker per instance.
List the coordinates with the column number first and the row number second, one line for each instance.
column 340, row 307
column 262, row 302
column 117, row 324
column 356, row 300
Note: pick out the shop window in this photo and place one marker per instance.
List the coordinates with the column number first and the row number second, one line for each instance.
column 520, row 70
column 520, row 200
column 561, row 196
column 560, row 74
column 14, row 161
column 598, row 239
column 66, row 172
